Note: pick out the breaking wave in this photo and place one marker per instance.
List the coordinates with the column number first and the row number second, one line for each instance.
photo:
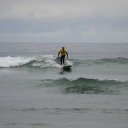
column 43, row 61
column 46, row 61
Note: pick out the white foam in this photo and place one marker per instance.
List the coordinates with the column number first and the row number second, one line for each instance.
column 46, row 64
column 39, row 61
column 37, row 64
column 14, row 61
column 51, row 63
column 69, row 62
column 44, row 57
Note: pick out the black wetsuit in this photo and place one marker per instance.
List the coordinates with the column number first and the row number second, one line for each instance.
column 62, row 59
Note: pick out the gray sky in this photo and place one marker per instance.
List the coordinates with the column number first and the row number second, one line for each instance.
column 64, row 21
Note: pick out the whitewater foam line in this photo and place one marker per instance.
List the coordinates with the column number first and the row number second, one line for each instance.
column 42, row 61
column 15, row 61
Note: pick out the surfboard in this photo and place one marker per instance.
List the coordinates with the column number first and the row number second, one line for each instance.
column 66, row 66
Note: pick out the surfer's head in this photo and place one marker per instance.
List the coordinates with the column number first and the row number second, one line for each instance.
column 62, row 48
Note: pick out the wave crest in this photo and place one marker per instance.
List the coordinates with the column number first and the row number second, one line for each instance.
column 85, row 85
column 37, row 61
column 15, row 61
column 45, row 61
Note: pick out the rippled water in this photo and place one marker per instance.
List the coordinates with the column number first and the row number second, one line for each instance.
column 36, row 92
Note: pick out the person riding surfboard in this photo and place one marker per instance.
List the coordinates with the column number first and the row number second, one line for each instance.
column 63, row 52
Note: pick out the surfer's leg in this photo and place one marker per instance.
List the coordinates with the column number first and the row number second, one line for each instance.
column 63, row 59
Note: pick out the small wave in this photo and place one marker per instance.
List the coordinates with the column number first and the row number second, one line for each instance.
column 43, row 61
column 39, row 124
column 103, row 61
column 85, row 85
column 118, row 60
column 46, row 61
column 82, row 80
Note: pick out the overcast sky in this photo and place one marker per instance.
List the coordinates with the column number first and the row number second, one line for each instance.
column 64, row 21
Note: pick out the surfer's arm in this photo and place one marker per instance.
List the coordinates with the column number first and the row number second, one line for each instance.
column 67, row 54
column 58, row 54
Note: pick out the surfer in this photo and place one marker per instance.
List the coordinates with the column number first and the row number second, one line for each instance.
column 62, row 58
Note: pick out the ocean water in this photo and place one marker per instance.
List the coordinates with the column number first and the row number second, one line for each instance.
column 36, row 92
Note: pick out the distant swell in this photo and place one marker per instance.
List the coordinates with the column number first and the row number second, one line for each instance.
column 103, row 61
column 85, row 85
column 81, row 80
column 118, row 60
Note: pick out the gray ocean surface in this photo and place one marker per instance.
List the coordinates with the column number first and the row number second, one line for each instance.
column 35, row 92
